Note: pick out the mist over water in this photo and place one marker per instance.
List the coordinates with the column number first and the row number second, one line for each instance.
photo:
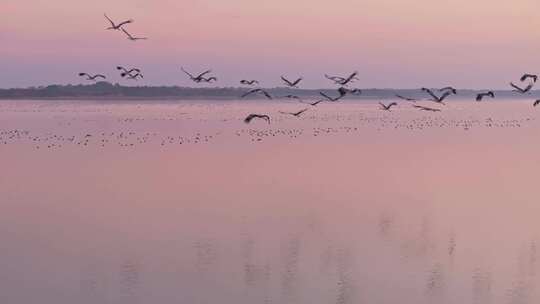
column 169, row 203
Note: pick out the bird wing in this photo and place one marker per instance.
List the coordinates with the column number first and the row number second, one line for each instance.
column 187, row 73
column 528, row 88
column 203, row 73
column 431, row 94
column 297, row 81
column 325, row 96
column 125, row 22
column 249, row 93
column 536, row 102
column 287, row 81
column 112, row 23
column 524, row 77
column 100, row 76
column 392, row 104
column 300, row 112
column 83, row 74
column 249, row 118
column 128, row 34
column 267, row 94
column 444, row 95
column 516, row 87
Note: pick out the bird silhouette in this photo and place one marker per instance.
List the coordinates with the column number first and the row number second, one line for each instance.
column 527, row 76
column 296, row 114
column 314, row 103
column 250, row 117
column 292, row 84
column 92, row 77
column 342, row 80
column 387, row 107
column 480, row 97
column 331, row 98
column 257, row 91
column 405, row 98
column 117, row 26
column 249, row 82
column 125, row 71
column 199, row 78
column 451, row 89
column 435, row 98
column 423, row 108
column 521, row 90
column 132, row 38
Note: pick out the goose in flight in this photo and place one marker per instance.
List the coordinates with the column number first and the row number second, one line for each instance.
column 292, row 84
column 132, row 38
column 387, row 107
column 249, row 82
column 126, row 71
column 331, row 98
column 250, row 117
column 92, row 77
column 118, row 26
column 405, row 98
column 536, row 102
column 451, row 89
column 521, row 90
column 199, row 78
column 257, row 91
column 134, row 76
column 527, row 76
column 422, row 108
column 342, row 80
column 435, row 98
column 481, row 96
column 295, row 114
column 344, row 91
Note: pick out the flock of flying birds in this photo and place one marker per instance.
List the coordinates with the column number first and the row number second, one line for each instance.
column 437, row 96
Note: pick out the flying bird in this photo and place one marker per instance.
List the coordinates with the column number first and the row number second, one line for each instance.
column 536, row 102
column 342, row 80
column 331, row 98
column 132, row 38
column 344, row 91
column 199, row 78
column 435, row 98
column 249, row 82
column 250, row 117
column 117, row 26
column 126, row 71
column 405, row 98
column 134, row 76
column 422, row 108
column 451, row 89
column 292, row 84
column 92, row 77
column 521, row 90
column 257, row 91
column 296, row 114
column 527, row 76
column 481, row 96
column 387, row 107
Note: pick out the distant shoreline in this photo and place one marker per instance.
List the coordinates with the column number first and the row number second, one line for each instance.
column 104, row 91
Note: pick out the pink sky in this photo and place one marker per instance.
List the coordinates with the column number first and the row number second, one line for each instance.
column 392, row 43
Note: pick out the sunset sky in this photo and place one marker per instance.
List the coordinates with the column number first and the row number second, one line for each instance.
column 392, row 43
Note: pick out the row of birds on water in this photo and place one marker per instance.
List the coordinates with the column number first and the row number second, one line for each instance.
column 342, row 81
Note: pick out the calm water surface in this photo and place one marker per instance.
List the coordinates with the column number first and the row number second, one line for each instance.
column 184, row 203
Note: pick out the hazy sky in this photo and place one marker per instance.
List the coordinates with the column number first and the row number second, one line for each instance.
column 392, row 43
